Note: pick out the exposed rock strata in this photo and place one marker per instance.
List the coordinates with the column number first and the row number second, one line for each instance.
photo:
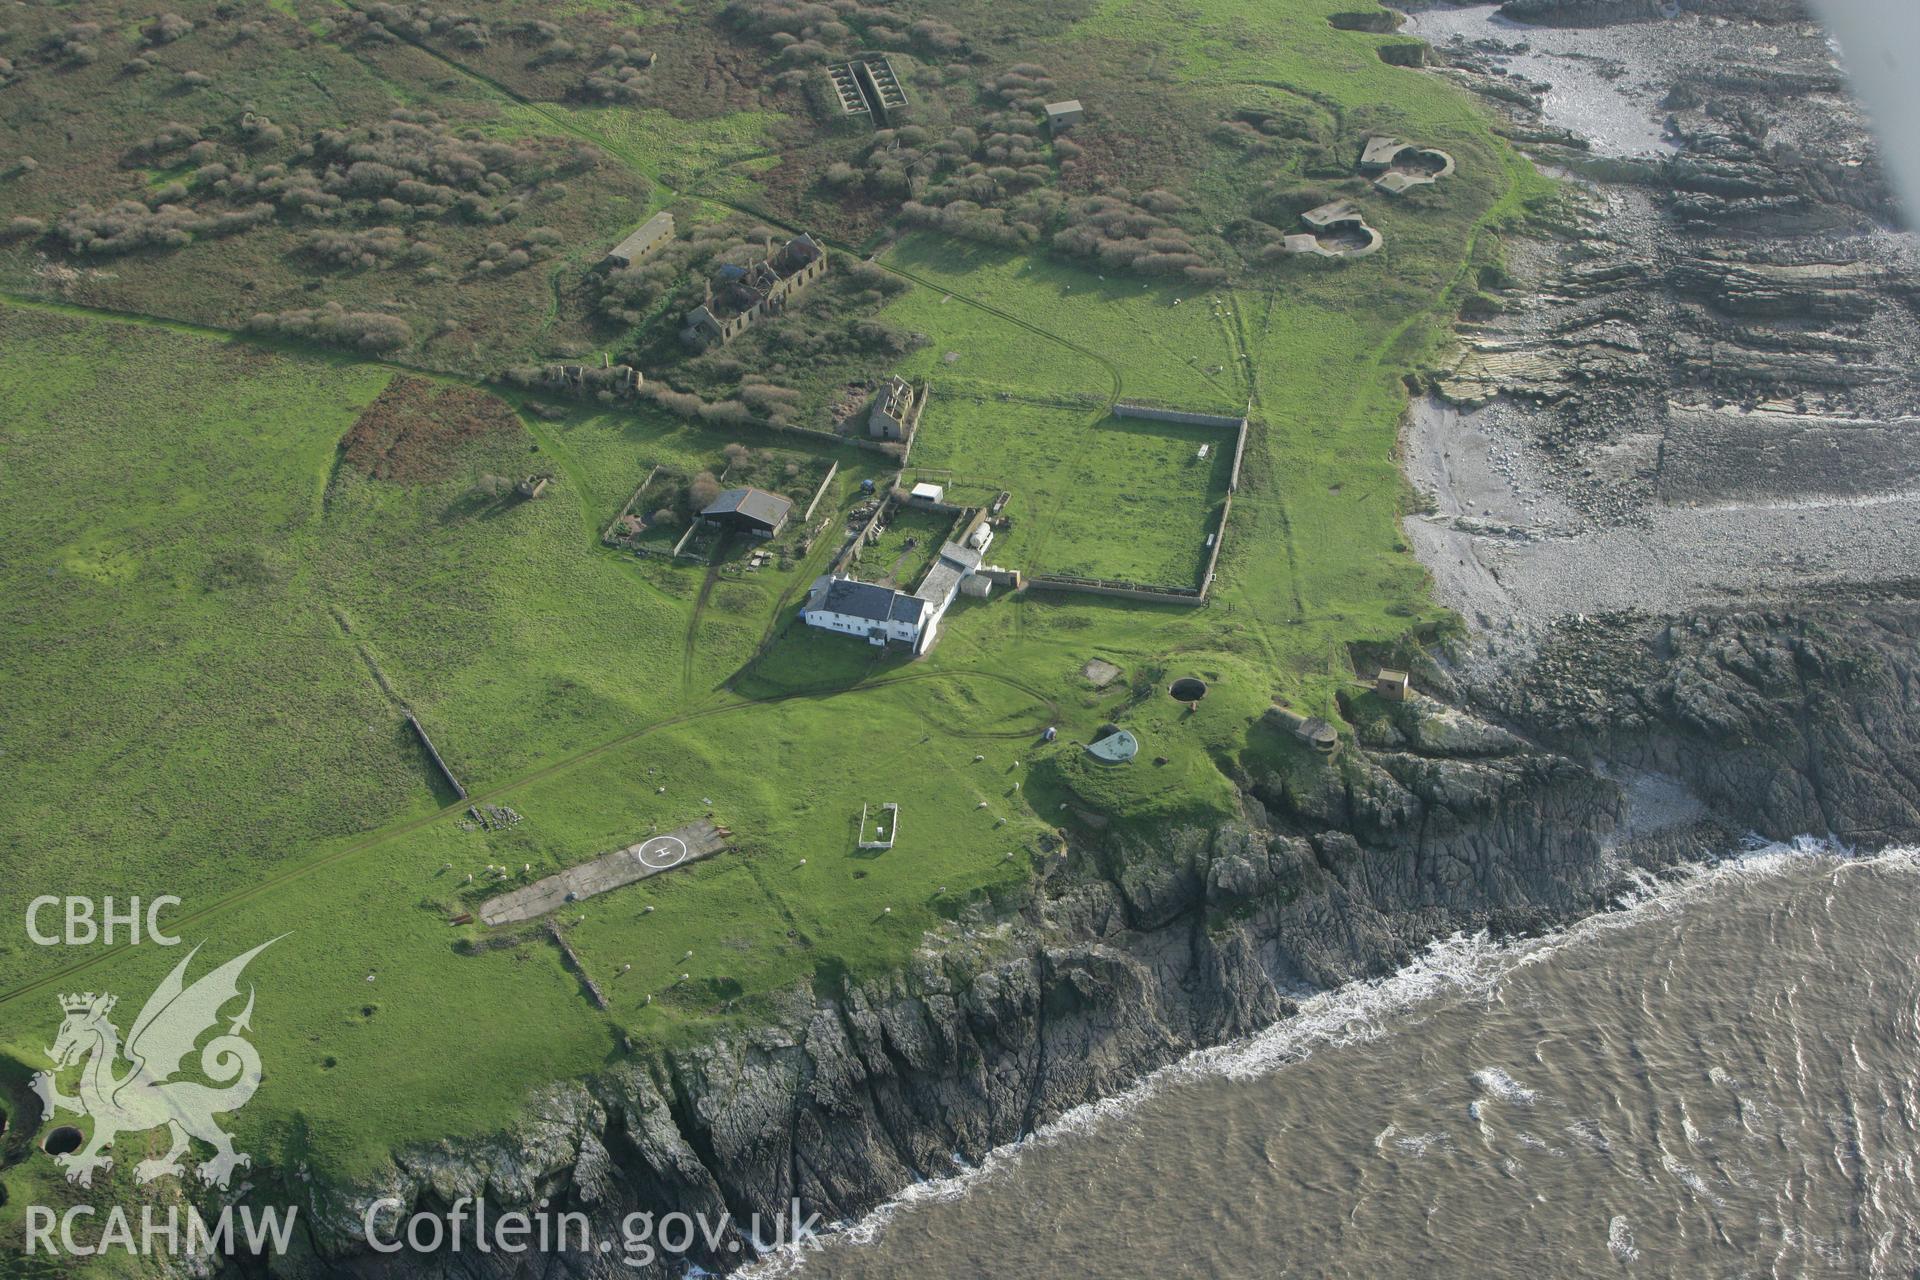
column 1671, row 360
column 1602, row 12
column 1442, row 820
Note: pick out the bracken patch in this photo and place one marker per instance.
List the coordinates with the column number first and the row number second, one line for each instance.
column 413, row 431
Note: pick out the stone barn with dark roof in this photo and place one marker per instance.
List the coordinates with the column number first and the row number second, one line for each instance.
column 749, row 510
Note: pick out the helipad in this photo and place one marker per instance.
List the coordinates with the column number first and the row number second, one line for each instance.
column 660, row 853
column 651, row 856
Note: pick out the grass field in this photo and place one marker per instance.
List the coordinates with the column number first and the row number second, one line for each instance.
column 1121, row 498
column 201, row 602
column 905, row 548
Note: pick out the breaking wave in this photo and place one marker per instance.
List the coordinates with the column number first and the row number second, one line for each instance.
column 1462, row 966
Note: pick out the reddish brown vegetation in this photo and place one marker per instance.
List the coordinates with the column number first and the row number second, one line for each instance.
column 413, row 431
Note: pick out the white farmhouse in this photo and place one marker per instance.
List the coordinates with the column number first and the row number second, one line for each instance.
column 876, row 614
column 882, row 615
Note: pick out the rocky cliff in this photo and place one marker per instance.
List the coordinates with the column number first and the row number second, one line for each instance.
column 1509, row 807
column 1736, row 296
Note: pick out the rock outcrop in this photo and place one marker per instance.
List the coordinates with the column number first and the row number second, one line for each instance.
column 1593, row 13
column 1139, row 952
column 1742, row 276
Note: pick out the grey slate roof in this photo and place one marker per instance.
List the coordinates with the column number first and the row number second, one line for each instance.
column 966, row 557
column 907, row 608
column 859, row 599
column 755, row 504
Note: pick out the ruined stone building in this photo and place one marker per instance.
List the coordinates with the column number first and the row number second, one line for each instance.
column 737, row 296
column 893, row 411
column 621, row 380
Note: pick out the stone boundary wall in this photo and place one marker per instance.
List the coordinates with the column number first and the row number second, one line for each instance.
column 819, row 493
column 1141, row 591
column 1219, row 541
column 606, row 535
column 856, row 538
column 1134, row 409
column 913, row 428
column 1121, row 590
column 572, row 960
column 420, row 732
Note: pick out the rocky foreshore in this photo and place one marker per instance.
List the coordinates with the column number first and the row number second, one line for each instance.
column 1129, row 958
column 1725, row 330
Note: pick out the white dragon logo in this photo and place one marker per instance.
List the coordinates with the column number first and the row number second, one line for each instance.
column 146, row 1097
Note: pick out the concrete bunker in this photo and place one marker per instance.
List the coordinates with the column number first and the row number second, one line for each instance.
column 1399, row 166
column 1337, row 231
column 1313, row 731
column 1114, row 745
column 64, row 1140
column 867, row 87
column 1188, row 689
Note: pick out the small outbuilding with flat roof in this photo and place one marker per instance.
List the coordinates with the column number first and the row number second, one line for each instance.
column 1062, row 116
